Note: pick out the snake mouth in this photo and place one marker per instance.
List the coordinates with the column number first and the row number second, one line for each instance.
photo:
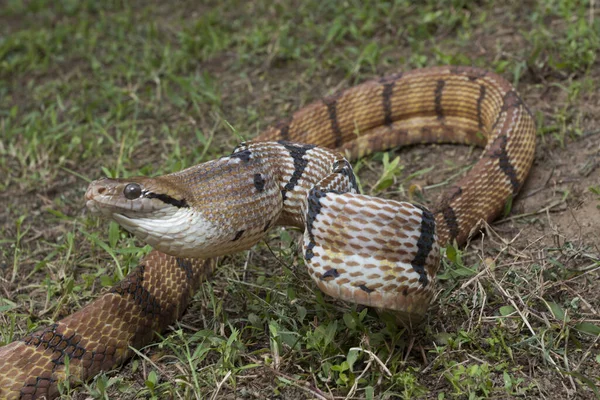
column 125, row 221
column 93, row 207
column 121, row 217
column 100, row 208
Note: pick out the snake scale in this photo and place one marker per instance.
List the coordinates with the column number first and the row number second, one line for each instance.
column 381, row 253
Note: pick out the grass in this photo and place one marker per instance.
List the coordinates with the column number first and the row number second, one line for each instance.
column 122, row 88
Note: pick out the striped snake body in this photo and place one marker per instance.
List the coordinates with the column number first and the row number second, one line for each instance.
column 358, row 248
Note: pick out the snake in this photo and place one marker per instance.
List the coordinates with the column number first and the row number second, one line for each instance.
column 362, row 249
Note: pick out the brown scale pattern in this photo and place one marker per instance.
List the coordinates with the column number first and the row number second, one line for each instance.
column 442, row 104
column 97, row 337
column 385, row 235
column 412, row 108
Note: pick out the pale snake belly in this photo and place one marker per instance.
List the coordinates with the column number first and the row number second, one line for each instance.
column 381, row 253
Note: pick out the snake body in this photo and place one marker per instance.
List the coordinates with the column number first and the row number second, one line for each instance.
column 358, row 248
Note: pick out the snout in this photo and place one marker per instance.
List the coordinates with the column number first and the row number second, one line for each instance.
column 96, row 188
column 98, row 196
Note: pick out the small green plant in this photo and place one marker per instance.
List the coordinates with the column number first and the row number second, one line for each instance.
column 391, row 170
column 471, row 381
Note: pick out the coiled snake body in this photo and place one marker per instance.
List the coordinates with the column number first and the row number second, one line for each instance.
column 358, row 248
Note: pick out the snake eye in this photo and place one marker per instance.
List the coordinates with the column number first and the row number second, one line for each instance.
column 132, row 191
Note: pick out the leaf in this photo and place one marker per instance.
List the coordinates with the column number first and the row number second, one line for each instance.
column 291, row 293
column 419, row 173
column 233, row 337
column 557, row 311
column 106, row 281
column 585, row 380
column 464, row 271
column 349, row 321
column 284, row 380
column 9, row 306
column 152, row 380
column 384, row 183
column 285, row 237
column 331, row 330
column 589, row 328
column 390, row 171
column 301, row 312
column 451, row 253
column 507, row 380
column 113, row 234
column 336, row 30
column 351, row 358
column 273, row 328
column 340, row 367
column 443, row 338
column 507, row 310
column 108, row 173
column 248, row 366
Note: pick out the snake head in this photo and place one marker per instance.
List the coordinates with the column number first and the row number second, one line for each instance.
column 155, row 210
column 137, row 197
column 180, row 214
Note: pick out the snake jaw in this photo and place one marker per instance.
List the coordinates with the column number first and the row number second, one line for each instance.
column 157, row 217
column 108, row 196
column 147, row 215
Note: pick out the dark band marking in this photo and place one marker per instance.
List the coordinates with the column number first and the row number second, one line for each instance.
column 267, row 226
column 37, row 387
column 479, row 103
column 314, row 209
column 297, row 152
column 332, row 273
column 498, row 151
column 511, row 100
column 284, row 128
column 259, row 182
column 388, row 90
column 391, row 78
column 186, row 265
column 448, row 212
column 243, row 155
column 343, row 167
column 132, row 286
column 424, row 245
column 238, row 235
column 365, row 288
column 451, row 221
column 331, row 103
column 165, row 198
column 61, row 345
column 439, row 90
